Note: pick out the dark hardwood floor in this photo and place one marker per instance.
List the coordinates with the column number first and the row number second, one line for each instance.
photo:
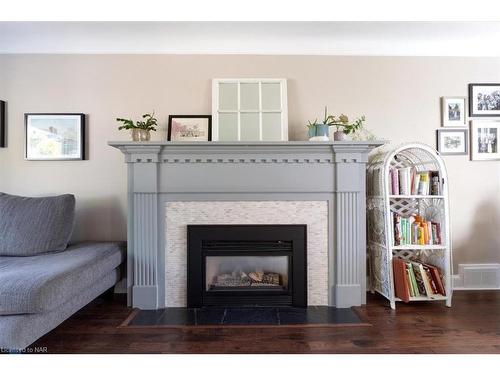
column 472, row 325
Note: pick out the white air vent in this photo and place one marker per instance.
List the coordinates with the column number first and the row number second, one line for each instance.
column 478, row 276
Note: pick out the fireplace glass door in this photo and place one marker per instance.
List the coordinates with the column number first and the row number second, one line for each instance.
column 232, row 273
column 246, row 265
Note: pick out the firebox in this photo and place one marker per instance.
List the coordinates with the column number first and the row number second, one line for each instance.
column 247, row 265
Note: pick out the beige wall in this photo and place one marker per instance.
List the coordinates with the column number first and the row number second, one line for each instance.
column 398, row 95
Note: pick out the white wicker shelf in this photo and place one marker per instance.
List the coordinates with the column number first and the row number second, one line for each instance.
column 380, row 205
column 419, row 247
column 434, row 298
column 416, row 196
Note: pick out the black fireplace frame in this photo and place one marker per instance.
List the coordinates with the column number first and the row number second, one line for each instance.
column 295, row 238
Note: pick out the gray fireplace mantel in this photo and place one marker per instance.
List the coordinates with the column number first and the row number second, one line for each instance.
column 160, row 172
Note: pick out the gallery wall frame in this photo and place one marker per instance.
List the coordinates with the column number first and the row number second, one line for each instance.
column 55, row 136
column 453, row 111
column 452, row 141
column 484, row 136
column 484, row 99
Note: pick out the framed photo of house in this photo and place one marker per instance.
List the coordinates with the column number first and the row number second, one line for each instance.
column 484, row 140
column 3, row 124
column 54, row 136
column 453, row 111
column 484, row 99
column 189, row 128
column 452, row 141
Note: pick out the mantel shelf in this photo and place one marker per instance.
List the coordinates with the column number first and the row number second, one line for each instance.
column 247, row 152
column 374, row 143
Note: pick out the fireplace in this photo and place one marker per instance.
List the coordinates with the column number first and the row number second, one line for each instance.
column 247, row 265
column 320, row 184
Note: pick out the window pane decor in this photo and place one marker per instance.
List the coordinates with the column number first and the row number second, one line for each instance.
column 249, row 109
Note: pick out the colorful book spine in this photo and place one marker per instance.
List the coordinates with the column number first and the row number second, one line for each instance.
column 414, row 278
column 414, row 230
column 407, row 181
column 394, row 181
column 435, row 184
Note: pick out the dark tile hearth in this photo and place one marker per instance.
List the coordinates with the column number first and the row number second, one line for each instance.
column 245, row 316
column 249, row 315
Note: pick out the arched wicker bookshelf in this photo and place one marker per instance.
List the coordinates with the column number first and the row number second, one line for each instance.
column 384, row 206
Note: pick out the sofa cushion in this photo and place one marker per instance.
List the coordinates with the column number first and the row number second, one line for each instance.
column 19, row 331
column 30, row 226
column 41, row 283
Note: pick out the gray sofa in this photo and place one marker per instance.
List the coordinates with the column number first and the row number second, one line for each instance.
column 43, row 281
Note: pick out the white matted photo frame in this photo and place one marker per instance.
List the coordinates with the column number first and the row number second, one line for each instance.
column 54, row 136
column 484, row 139
column 189, row 128
column 453, row 111
column 452, row 141
column 484, row 99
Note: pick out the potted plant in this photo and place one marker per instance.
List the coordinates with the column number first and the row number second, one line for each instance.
column 141, row 130
column 344, row 127
column 318, row 131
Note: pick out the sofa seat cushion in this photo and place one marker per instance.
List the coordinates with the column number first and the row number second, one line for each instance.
column 31, row 226
column 41, row 283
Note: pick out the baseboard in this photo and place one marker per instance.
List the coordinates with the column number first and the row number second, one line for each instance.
column 484, row 276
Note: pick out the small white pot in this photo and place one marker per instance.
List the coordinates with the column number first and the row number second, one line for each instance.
column 339, row 136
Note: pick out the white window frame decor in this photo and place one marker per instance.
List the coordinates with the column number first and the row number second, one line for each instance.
column 283, row 110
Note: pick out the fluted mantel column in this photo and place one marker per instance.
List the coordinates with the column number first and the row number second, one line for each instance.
column 350, row 226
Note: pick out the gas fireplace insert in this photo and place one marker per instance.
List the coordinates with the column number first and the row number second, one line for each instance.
column 247, row 265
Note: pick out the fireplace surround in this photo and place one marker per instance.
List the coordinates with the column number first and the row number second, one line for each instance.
column 246, row 265
column 161, row 174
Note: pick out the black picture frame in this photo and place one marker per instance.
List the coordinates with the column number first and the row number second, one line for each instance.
column 82, row 125
column 472, row 111
column 3, row 124
column 440, row 132
column 207, row 117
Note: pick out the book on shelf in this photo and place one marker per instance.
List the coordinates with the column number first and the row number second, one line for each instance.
column 415, row 278
column 409, row 181
column 414, row 230
column 436, row 277
column 401, row 286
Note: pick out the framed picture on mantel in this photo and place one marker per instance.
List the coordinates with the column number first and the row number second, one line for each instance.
column 189, row 128
column 55, row 136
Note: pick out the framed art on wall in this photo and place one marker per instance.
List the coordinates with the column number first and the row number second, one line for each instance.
column 453, row 111
column 484, row 140
column 484, row 99
column 452, row 141
column 54, row 136
column 189, row 128
column 3, row 125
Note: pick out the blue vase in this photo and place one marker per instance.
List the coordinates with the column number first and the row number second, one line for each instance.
column 319, row 132
column 322, row 130
column 312, row 131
